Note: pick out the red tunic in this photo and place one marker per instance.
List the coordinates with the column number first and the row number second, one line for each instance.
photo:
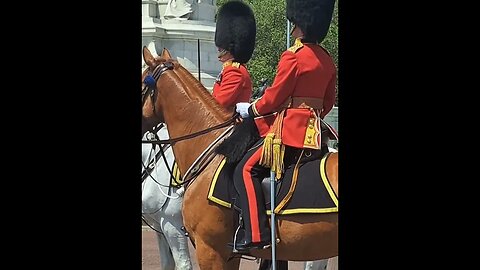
column 304, row 70
column 233, row 85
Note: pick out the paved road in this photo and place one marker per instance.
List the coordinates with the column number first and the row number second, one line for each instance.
column 151, row 258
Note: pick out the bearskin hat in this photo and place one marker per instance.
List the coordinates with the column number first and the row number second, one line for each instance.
column 236, row 30
column 312, row 16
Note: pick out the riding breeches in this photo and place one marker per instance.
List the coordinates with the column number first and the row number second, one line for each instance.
column 247, row 179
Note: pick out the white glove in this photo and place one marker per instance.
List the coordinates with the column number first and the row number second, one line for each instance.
column 242, row 109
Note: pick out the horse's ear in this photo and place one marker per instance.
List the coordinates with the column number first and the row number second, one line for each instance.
column 148, row 57
column 166, row 54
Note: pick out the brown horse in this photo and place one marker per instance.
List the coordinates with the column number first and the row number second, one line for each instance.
column 182, row 102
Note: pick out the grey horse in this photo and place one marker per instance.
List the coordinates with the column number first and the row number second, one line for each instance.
column 162, row 207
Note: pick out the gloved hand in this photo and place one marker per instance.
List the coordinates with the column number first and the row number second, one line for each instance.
column 242, row 109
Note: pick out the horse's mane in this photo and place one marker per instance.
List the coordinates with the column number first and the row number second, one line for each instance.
column 190, row 81
column 195, row 93
column 244, row 135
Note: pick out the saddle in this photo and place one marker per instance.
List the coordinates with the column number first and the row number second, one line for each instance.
column 303, row 188
column 308, row 192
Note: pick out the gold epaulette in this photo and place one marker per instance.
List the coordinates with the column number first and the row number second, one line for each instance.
column 231, row 63
column 296, row 46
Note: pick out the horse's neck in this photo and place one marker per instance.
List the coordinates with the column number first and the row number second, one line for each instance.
column 189, row 108
column 198, row 92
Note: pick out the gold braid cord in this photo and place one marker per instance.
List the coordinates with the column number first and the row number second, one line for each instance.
column 273, row 150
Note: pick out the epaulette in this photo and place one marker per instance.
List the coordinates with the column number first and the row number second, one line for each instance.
column 296, row 46
column 231, row 63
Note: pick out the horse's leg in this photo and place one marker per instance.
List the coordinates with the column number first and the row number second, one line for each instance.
column 178, row 242
column 316, row 265
column 210, row 259
column 332, row 263
column 282, row 265
column 166, row 258
column 209, row 225
column 266, row 264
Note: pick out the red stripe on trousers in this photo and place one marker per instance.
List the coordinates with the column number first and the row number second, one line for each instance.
column 252, row 199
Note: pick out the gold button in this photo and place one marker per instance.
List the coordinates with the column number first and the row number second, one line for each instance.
column 310, row 126
column 309, row 136
column 311, row 121
column 309, row 141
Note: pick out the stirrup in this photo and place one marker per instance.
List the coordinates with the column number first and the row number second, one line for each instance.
column 235, row 236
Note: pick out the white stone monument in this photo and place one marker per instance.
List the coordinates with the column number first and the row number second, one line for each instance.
column 179, row 26
column 332, row 119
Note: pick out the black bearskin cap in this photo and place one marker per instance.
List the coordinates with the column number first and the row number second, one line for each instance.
column 312, row 16
column 236, row 30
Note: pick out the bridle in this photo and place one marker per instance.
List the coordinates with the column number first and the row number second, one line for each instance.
column 150, row 90
column 150, row 82
column 152, row 135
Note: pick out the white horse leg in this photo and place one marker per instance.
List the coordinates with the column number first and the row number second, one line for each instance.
column 172, row 224
column 166, row 257
column 165, row 214
column 316, row 265
column 332, row 263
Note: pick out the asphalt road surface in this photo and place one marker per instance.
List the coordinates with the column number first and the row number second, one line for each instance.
column 151, row 257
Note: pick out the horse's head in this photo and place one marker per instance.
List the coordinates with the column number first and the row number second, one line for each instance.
column 152, row 113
